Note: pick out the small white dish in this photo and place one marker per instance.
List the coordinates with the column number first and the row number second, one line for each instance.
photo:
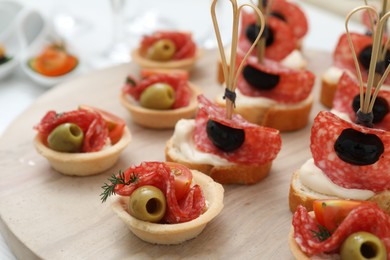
column 9, row 15
column 35, row 34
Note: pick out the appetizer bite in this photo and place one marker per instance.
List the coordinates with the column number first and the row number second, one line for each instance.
column 81, row 142
column 350, row 159
column 3, row 57
column 53, row 61
column 164, row 203
column 343, row 58
column 220, row 143
column 269, row 93
column 340, row 229
column 167, row 50
column 160, row 98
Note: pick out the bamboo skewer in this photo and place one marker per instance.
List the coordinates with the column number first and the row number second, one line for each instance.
column 367, row 97
column 230, row 73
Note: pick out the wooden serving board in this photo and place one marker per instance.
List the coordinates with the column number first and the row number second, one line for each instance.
column 44, row 214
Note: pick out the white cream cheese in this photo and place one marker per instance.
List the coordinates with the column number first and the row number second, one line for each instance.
column 341, row 115
column 261, row 102
column 332, row 75
column 313, row 178
column 184, row 147
column 294, row 60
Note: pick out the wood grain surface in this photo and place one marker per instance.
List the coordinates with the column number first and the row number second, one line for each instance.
column 44, row 214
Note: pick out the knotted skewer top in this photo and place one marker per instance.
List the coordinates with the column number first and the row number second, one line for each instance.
column 230, row 73
column 375, row 80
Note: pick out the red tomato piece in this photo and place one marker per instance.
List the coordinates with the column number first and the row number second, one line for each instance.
column 183, row 179
column 182, row 90
column 114, row 123
column 330, row 213
column 160, row 175
column 185, row 46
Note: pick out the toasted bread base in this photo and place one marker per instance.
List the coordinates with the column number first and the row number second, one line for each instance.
column 282, row 117
column 328, row 91
column 232, row 174
column 301, row 195
column 168, row 234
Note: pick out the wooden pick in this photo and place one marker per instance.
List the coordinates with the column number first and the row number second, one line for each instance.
column 230, row 73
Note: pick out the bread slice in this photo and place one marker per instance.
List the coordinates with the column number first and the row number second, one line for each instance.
column 328, row 90
column 232, row 174
column 285, row 118
column 301, row 195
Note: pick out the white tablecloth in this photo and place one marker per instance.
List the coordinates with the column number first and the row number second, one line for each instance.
column 17, row 92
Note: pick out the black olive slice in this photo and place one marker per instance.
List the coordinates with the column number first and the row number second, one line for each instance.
column 380, row 109
column 253, row 30
column 279, row 16
column 357, row 148
column 259, row 79
column 224, row 137
column 364, row 58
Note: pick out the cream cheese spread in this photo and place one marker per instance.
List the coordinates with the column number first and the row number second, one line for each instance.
column 314, row 178
column 183, row 146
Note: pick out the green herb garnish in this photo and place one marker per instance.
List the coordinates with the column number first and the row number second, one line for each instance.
column 322, row 234
column 109, row 188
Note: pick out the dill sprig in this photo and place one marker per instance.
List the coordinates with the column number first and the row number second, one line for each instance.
column 322, row 234
column 109, row 188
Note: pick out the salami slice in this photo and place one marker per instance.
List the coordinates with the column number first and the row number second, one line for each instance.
column 326, row 129
column 366, row 21
column 369, row 218
column 185, row 46
column 294, row 85
column 91, row 123
column 292, row 14
column 342, row 56
column 182, row 90
column 284, row 41
column 261, row 144
column 159, row 175
column 347, row 89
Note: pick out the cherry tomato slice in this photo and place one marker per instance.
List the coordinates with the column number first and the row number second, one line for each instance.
column 183, row 74
column 330, row 213
column 114, row 123
column 183, row 179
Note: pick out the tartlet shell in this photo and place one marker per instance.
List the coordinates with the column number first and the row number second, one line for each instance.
column 167, row 234
column 161, row 119
column 184, row 64
column 83, row 164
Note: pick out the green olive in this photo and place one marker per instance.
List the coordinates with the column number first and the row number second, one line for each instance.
column 363, row 245
column 67, row 138
column 162, row 50
column 158, row 96
column 147, row 203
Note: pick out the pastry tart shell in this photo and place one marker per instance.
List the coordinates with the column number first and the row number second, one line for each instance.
column 167, row 234
column 160, row 119
column 83, row 164
column 184, row 64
